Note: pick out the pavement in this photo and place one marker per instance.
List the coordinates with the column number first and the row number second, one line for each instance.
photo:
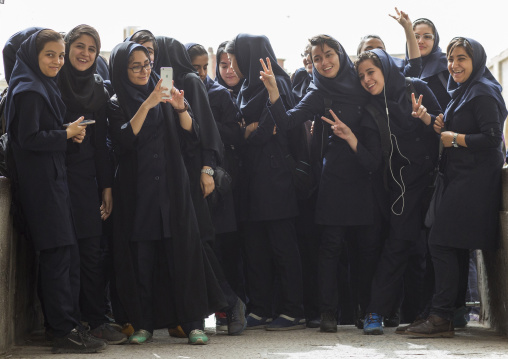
column 475, row 341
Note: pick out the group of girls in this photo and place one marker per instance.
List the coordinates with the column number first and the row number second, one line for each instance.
column 202, row 175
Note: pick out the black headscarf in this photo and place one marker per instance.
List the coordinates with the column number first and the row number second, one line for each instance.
column 27, row 76
column 435, row 62
column 172, row 53
column 253, row 95
column 399, row 107
column 102, row 68
column 343, row 88
column 480, row 83
column 12, row 46
column 81, row 92
column 301, row 82
column 218, row 78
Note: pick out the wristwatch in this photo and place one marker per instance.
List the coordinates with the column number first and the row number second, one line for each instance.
column 208, row 171
column 454, row 141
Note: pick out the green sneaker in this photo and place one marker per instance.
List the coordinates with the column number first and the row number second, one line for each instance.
column 197, row 337
column 140, row 336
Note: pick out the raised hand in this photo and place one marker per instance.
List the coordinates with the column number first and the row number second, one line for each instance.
column 177, row 98
column 268, row 78
column 340, row 129
column 157, row 96
column 439, row 123
column 402, row 18
column 419, row 111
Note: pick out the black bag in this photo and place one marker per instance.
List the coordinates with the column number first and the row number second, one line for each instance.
column 222, row 181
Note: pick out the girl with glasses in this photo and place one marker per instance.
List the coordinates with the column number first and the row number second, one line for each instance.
column 162, row 275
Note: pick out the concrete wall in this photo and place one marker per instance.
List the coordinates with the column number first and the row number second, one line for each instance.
column 19, row 308
column 493, row 272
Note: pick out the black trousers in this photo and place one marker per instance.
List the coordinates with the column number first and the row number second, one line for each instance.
column 59, row 283
column 451, row 267
column 309, row 237
column 91, row 298
column 387, row 282
column 271, row 251
column 333, row 242
column 228, row 250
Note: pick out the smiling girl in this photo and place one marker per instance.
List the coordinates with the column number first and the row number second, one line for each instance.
column 467, row 217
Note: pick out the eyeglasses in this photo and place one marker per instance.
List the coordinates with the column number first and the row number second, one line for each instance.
column 426, row 37
column 137, row 69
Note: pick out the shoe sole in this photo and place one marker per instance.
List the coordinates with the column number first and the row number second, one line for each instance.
column 199, row 342
column 435, row 335
column 373, row 332
column 78, row 351
column 262, row 326
column 140, row 343
column 328, row 330
column 117, row 342
column 293, row 327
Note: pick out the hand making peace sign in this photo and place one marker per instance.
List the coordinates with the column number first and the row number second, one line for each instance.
column 419, row 111
column 341, row 130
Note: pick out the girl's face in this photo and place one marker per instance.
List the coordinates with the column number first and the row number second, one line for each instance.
column 371, row 44
column 326, row 60
column 226, row 71
column 139, row 69
column 151, row 50
column 371, row 77
column 234, row 66
column 83, row 52
column 200, row 63
column 424, row 38
column 460, row 65
column 307, row 63
column 51, row 58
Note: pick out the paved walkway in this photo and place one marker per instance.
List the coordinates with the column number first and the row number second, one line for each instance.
column 349, row 342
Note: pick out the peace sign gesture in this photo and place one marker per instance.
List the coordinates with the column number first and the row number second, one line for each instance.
column 268, row 78
column 419, row 111
column 341, row 130
column 402, row 18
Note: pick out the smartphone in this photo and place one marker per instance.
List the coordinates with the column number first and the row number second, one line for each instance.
column 167, row 79
column 82, row 123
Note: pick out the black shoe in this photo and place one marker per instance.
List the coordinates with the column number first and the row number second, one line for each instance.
column 393, row 320
column 313, row 323
column 433, row 327
column 328, row 322
column 78, row 341
column 402, row 329
column 236, row 318
column 109, row 334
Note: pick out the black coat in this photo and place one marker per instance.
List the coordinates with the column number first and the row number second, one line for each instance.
column 468, row 214
column 88, row 173
column 345, row 193
column 420, row 146
column 194, row 289
column 39, row 143
column 225, row 114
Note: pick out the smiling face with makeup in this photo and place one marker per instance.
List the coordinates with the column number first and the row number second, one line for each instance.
column 83, row 52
